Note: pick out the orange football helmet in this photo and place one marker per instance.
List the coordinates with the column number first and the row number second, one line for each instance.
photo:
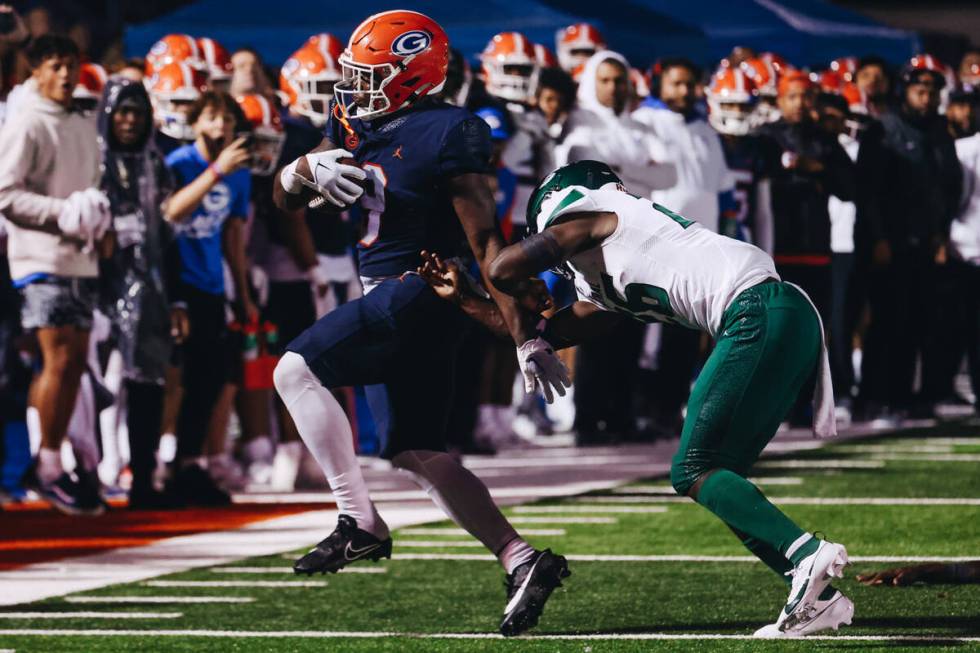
column 268, row 135
column 576, row 43
column 308, row 77
column 510, row 67
column 731, row 98
column 88, row 91
column 544, row 56
column 217, row 61
column 392, row 60
column 638, row 81
column 173, row 89
column 174, row 48
column 846, row 67
column 777, row 62
column 929, row 63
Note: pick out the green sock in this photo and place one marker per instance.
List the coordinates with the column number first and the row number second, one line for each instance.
column 741, row 505
column 770, row 556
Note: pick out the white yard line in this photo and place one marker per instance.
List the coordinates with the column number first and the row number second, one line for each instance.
column 319, row 634
column 828, row 463
column 436, row 544
column 562, row 520
column 589, row 509
column 804, row 501
column 176, row 554
column 235, row 583
column 527, row 492
column 554, row 532
column 936, row 457
column 91, row 615
column 669, row 490
column 576, row 557
column 289, row 570
column 159, row 599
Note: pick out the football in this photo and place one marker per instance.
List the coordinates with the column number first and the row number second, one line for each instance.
column 320, row 203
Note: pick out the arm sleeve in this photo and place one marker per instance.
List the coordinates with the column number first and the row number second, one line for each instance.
column 19, row 205
column 466, row 148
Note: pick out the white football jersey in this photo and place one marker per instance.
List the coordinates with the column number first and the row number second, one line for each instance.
column 657, row 265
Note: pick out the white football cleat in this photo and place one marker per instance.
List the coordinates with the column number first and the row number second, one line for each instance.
column 810, row 577
column 831, row 614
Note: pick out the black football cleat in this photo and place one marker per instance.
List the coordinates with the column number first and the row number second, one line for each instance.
column 528, row 589
column 345, row 545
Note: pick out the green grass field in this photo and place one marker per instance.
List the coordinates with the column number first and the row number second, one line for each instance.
column 649, row 605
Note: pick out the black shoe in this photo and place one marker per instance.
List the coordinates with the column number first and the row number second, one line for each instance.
column 192, row 486
column 345, row 545
column 528, row 589
column 150, row 499
column 90, row 491
column 64, row 494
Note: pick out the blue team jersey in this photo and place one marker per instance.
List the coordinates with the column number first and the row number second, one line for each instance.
column 199, row 236
column 409, row 158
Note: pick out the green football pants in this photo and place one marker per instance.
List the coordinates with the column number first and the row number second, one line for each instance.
column 767, row 351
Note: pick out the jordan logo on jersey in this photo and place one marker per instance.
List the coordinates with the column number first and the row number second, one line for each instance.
column 397, row 154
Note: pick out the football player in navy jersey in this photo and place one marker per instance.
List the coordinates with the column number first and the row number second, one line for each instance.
column 425, row 165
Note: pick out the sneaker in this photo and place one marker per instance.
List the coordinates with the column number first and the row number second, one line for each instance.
column 810, row 577
column 345, row 545
column 90, row 491
column 64, row 494
column 528, row 589
column 826, row 614
column 192, row 486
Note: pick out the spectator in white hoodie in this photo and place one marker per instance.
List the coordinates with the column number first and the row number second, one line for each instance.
column 49, row 174
column 692, row 145
column 601, row 128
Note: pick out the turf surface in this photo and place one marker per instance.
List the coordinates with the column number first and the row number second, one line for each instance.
column 629, row 599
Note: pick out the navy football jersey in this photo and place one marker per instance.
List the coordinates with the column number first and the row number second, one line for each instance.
column 409, row 157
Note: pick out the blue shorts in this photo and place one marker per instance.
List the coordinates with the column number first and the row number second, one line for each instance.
column 400, row 335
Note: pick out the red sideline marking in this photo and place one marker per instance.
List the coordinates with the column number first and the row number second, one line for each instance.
column 34, row 533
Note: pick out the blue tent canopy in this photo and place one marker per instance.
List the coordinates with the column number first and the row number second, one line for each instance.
column 805, row 31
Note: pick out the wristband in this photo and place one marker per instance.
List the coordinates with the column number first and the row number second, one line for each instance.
column 217, row 173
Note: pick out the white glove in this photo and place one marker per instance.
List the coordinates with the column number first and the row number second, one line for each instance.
column 540, row 364
column 85, row 215
column 329, row 177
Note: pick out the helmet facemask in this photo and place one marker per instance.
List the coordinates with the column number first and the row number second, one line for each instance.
column 511, row 81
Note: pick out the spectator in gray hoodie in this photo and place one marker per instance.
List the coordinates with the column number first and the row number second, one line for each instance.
column 56, row 219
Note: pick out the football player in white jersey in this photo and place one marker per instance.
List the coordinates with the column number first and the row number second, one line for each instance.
column 631, row 258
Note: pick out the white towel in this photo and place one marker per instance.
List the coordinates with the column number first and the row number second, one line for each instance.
column 824, row 420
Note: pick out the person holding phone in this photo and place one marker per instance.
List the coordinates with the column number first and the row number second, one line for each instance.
column 210, row 212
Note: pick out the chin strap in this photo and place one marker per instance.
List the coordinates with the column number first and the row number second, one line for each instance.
column 340, row 113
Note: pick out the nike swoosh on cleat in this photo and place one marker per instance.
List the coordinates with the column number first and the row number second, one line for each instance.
column 358, row 553
column 796, row 601
column 520, row 592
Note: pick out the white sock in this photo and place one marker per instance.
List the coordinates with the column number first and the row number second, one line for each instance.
column 462, row 496
column 325, row 430
column 285, row 466
column 33, row 419
column 515, row 554
column 48, row 465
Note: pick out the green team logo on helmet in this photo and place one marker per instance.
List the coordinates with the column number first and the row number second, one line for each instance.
column 589, row 174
